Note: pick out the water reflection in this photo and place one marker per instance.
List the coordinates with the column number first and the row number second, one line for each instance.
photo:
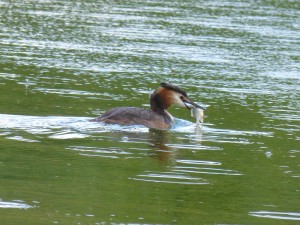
column 77, row 59
column 158, row 140
column 276, row 215
column 170, row 178
column 131, row 143
column 16, row 204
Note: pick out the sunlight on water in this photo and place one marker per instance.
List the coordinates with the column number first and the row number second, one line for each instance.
column 68, row 135
column 65, row 62
column 111, row 152
column 170, row 178
column 14, row 205
column 205, row 170
column 20, row 138
column 60, row 127
column 197, row 162
column 276, row 215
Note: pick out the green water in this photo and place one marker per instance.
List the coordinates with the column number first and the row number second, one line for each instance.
column 65, row 62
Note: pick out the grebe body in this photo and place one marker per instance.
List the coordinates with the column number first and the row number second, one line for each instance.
column 155, row 117
column 136, row 116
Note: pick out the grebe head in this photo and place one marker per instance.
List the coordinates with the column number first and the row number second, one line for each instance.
column 167, row 95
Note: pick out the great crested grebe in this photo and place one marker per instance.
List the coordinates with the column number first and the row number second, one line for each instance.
column 155, row 117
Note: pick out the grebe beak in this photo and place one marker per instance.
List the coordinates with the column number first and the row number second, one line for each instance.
column 190, row 104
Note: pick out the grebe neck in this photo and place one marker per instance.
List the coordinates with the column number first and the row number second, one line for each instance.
column 159, row 106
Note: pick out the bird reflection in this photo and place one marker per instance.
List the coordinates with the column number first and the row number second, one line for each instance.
column 160, row 141
column 163, row 145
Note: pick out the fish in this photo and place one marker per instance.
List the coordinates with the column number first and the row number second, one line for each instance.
column 198, row 114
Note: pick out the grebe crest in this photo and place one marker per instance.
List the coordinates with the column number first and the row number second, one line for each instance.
column 157, row 117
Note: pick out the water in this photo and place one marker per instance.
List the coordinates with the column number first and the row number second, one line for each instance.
column 64, row 62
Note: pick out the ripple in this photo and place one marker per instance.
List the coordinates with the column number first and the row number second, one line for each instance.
column 276, row 215
column 188, row 173
column 283, row 74
column 246, row 90
column 193, row 147
column 20, row 138
column 68, row 135
column 232, row 136
column 77, row 93
column 205, row 170
column 61, row 127
column 284, row 114
column 170, row 178
column 9, row 76
column 197, row 162
column 14, row 205
column 109, row 152
column 45, row 123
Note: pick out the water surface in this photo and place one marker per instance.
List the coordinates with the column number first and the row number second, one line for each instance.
column 64, row 62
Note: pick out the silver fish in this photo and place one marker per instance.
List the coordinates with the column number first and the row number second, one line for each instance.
column 198, row 114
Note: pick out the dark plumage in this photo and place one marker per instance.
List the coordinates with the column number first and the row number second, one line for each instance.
column 155, row 117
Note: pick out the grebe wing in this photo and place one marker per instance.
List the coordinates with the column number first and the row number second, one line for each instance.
column 124, row 116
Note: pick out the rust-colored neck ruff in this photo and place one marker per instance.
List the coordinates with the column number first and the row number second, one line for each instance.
column 159, row 101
